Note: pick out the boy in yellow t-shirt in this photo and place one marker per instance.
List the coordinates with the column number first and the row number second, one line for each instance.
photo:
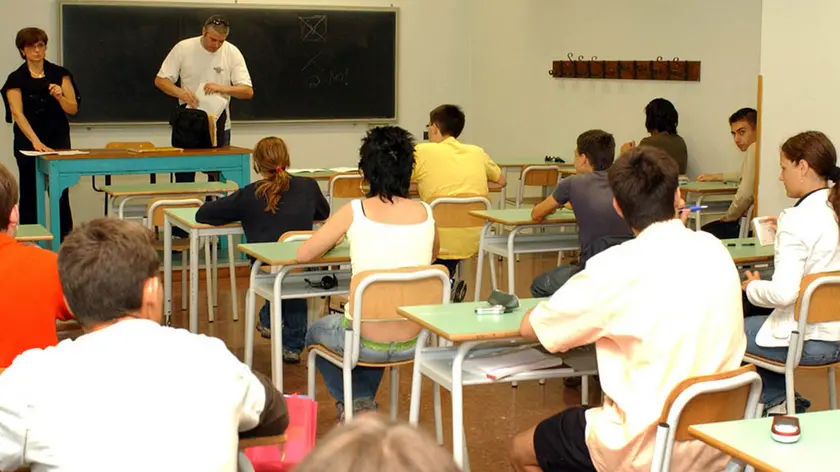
column 446, row 167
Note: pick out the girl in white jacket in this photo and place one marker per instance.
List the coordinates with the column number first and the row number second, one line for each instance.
column 807, row 241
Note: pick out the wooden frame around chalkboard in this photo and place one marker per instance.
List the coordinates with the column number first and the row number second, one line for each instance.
column 256, row 6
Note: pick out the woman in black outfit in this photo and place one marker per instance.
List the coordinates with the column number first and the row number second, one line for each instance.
column 38, row 97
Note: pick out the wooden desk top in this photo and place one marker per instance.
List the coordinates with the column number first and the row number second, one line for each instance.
column 285, row 254
column 181, row 188
column 32, row 233
column 187, row 217
column 747, row 250
column 523, row 161
column 522, row 216
column 750, row 442
column 710, row 188
column 458, row 322
column 125, row 154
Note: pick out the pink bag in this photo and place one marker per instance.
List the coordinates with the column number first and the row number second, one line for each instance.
column 300, row 438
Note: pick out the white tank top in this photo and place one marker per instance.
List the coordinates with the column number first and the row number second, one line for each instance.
column 380, row 246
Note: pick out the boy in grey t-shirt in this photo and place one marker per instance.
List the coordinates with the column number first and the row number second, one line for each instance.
column 589, row 194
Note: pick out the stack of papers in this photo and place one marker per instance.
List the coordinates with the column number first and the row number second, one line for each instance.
column 502, row 363
column 304, row 171
column 213, row 103
column 53, row 153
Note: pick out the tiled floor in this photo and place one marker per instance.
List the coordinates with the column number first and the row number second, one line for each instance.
column 493, row 413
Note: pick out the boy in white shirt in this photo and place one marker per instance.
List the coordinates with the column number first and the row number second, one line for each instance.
column 130, row 394
column 630, row 302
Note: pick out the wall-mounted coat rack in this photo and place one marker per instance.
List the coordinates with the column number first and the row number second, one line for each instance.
column 658, row 69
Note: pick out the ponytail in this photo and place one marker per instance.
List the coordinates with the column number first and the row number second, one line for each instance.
column 834, row 193
column 273, row 188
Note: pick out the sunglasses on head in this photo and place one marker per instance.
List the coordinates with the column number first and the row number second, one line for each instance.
column 218, row 21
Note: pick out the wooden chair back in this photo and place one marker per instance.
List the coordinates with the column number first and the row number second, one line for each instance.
column 156, row 216
column 540, row 176
column 824, row 303
column 262, row 441
column 346, row 185
column 451, row 214
column 381, row 299
column 708, row 407
column 295, row 236
column 129, row 145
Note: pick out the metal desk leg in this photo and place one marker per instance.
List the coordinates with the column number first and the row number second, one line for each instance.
column 511, row 261
column 458, row 439
column 479, row 271
column 167, row 269
column 417, row 378
column 194, row 257
column 234, row 297
column 251, row 314
column 276, row 331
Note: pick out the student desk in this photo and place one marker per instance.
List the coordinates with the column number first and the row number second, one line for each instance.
column 748, row 251
column 458, row 323
column 286, row 282
column 705, row 189
column 129, row 192
column 749, row 441
column 516, row 243
column 56, row 173
column 184, row 218
column 32, row 234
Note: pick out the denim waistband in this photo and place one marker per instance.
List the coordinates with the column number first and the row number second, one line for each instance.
column 380, row 346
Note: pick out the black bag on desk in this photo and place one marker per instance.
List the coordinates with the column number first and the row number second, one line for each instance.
column 191, row 128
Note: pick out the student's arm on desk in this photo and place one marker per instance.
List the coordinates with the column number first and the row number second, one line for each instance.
column 223, row 211
column 558, row 198
column 789, row 268
column 576, row 315
column 494, row 172
column 327, row 236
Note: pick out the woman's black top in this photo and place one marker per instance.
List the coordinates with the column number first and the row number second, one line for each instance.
column 43, row 112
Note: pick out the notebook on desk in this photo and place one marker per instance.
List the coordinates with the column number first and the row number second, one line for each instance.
column 154, row 149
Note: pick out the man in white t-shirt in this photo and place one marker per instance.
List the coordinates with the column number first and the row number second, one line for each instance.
column 129, row 395
column 206, row 64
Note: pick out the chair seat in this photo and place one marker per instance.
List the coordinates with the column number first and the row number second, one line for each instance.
column 177, row 245
column 262, row 441
column 335, row 356
column 748, row 356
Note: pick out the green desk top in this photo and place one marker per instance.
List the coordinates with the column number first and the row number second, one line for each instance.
column 748, row 250
column 284, row 254
column 750, row 441
column 522, row 161
column 709, row 187
column 458, row 322
column 32, row 233
column 187, row 217
column 186, row 188
column 522, row 216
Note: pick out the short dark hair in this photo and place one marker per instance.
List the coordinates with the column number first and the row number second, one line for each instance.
column 599, row 148
column 386, row 162
column 745, row 114
column 661, row 116
column 450, row 119
column 218, row 23
column 103, row 266
column 644, row 180
column 28, row 37
column 8, row 196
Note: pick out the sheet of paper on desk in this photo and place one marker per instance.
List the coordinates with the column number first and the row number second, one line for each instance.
column 53, row 153
column 504, row 363
column 213, row 103
column 344, row 169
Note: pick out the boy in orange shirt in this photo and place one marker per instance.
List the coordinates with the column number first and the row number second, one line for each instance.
column 29, row 286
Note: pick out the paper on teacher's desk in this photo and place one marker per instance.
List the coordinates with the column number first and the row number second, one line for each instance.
column 344, row 169
column 304, row 171
column 213, row 103
column 53, row 153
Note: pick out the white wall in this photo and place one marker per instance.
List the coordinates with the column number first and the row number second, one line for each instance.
column 434, row 68
column 518, row 109
column 801, row 77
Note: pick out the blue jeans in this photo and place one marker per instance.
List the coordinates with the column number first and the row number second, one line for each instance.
column 813, row 353
column 546, row 284
column 329, row 332
column 294, row 322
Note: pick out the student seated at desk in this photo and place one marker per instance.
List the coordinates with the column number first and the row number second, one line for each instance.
column 661, row 120
column 386, row 230
column 129, row 394
column 591, row 198
column 277, row 203
column 807, row 241
column 447, row 167
column 742, row 124
column 647, row 338
column 31, row 294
